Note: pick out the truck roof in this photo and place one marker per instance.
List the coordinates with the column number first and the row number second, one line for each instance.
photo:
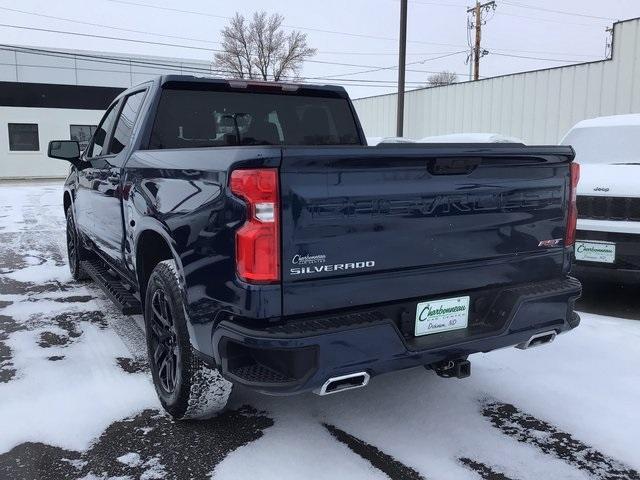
column 241, row 83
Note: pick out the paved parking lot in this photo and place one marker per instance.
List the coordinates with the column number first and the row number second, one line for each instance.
column 76, row 400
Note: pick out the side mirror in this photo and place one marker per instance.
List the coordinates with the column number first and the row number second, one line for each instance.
column 68, row 150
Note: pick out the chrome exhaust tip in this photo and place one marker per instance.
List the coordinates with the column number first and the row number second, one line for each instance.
column 344, row 383
column 538, row 339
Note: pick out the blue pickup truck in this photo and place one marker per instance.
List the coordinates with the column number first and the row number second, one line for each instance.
column 267, row 245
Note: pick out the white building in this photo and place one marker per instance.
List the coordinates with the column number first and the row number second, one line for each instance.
column 48, row 94
column 538, row 106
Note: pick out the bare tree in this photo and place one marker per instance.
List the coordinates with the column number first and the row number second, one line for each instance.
column 442, row 78
column 260, row 49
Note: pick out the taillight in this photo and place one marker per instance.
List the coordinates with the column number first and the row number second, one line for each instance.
column 572, row 216
column 258, row 240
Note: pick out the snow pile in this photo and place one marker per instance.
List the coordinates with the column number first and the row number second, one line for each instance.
column 130, row 459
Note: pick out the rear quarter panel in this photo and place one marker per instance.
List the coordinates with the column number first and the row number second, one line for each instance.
column 183, row 196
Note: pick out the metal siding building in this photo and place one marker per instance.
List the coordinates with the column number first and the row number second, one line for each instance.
column 538, row 106
column 63, row 90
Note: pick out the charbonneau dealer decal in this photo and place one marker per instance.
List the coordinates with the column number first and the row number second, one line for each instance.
column 593, row 249
column 308, row 264
column 430, row 311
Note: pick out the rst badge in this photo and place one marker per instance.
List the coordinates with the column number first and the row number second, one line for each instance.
column 554, row 242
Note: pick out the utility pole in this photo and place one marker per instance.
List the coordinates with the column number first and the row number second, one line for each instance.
column 608, row 46
column 401, row 67
column 477, row 24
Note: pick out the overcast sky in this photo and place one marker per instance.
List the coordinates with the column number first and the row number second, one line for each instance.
column 358, row 32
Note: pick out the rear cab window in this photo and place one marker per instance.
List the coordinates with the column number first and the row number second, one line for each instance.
column 188, row 118
column 126, row 121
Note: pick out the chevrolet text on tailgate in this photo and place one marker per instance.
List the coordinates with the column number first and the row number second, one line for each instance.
column 266, row 245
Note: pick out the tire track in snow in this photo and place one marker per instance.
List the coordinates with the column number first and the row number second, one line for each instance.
column 530, row 430
column 485, row 471
column 380, row 460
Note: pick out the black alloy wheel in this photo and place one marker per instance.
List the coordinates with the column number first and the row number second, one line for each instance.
column 164, row 342
column 72, row 245
column 186, row 386
column 75, row 251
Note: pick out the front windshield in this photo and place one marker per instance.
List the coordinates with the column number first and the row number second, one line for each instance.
column 605, row 145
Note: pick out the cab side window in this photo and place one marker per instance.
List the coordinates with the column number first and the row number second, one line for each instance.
column 126, row 121
column 97, row 146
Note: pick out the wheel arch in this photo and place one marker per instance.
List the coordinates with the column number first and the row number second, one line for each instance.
column 66, row 201
column 152, row 247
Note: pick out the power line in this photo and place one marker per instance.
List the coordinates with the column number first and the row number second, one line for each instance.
column 333, row 32
column 438, row 4
column 165, row 44
column 521, row 16
column 548, row 20
column 176, row 45
column 543, row 52
column 109, row 60
column 165, row 66
column 561, row 12
column 537, row 58
column 81, row 22
column 106, row 37
column 209, row 71
column 177, row 37
column 393, row 67
column 377, row 54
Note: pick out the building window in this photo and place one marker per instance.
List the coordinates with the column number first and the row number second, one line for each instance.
column 23, row 137
column 82, row 134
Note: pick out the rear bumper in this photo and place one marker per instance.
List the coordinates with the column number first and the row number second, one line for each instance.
column 593, row 272
column 625, row 269
column 301, row 354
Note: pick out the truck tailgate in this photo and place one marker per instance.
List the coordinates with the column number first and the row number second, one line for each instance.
column 366, row 225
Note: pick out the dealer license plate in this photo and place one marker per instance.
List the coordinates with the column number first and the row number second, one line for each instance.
column 602, row 252
column 442, row 315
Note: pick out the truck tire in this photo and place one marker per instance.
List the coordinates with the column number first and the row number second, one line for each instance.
column 186, row 386
column 75, row 250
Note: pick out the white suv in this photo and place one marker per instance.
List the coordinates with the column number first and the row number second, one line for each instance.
column 608, row 237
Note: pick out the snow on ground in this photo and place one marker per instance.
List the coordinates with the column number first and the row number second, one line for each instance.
column 74, row 390
column 586, row 383
column 67, row 386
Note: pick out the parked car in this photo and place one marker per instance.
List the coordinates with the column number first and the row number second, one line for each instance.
column 266, row 245
column 449, row 138
column 372, row 141
column 471, row 138
column 608, row 237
